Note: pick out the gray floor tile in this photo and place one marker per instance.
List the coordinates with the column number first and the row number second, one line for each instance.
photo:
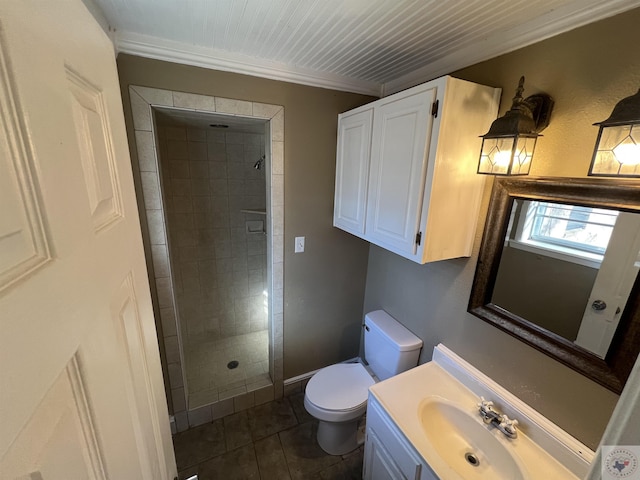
column 238, row 464
column 188, row 472
column 270, row 418
column 297, row 403
column 349, row 468
column 198, row 444
column 304, row 456
column 237, row 431
column 271, row 460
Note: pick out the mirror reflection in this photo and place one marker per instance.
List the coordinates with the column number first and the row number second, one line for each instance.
column 569, row 269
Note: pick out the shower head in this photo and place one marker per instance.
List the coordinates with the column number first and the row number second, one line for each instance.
column 259, row 163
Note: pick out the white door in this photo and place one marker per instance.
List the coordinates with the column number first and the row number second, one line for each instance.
column 401, row 134
column 81, row 392
column 612, row 286
column 352, row 171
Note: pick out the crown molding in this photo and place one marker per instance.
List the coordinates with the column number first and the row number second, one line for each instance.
column 177, row 52
column 573, row 15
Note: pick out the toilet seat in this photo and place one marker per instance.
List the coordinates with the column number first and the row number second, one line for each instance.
column 340, row 388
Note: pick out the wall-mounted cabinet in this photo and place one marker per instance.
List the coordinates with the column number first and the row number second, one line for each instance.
column 406, row 168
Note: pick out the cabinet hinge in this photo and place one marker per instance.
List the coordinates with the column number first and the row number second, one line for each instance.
column 418, row 238
column 434, row 108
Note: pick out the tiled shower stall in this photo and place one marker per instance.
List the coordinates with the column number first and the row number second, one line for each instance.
column 205, row 250
column 215, row 199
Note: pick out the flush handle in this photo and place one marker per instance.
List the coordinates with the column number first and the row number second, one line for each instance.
column 365, row 327
column 599, row 305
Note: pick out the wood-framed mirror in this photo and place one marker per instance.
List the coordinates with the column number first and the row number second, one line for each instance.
column 558, row 269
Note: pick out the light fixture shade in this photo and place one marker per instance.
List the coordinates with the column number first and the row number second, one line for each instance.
column 508, row 146
column 507, row 155
column 617, row 151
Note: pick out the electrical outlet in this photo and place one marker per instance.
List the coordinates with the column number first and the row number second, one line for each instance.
column 299, row 245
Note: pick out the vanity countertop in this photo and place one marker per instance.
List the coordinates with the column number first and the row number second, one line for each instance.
column 541, row 448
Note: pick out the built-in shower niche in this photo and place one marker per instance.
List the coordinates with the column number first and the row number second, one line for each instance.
column 214, row 192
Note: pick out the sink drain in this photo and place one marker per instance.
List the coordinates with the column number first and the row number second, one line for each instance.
column 472, row 459
column 233, row 364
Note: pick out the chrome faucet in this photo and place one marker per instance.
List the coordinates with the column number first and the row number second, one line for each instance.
column 498, row 420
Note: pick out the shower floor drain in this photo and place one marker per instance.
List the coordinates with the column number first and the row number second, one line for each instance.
column 233, row 364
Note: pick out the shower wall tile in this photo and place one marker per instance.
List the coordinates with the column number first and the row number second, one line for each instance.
column 277, row 190
column 140, row 110
column 146, row 151
column 151, row 190
column 165, row 296
column 197, row 151
column 173, row 133
column 168, row 320
column 235, row 107
column 194, row 101
column 177, row 150
column 154, row 96
column 196, row 135
column 160, row 259
column 215, row 136
column 172, row 349
column 277, row 158
column 155, row 223
column 264, row 110
column 178, row 398
column 178, row 169
column 175, row 375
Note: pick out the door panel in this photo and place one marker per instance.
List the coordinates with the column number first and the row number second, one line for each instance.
column 398, row 164
column 81, row 390
column 352, row 171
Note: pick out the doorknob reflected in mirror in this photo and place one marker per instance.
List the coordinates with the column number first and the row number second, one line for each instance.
column 599, row 305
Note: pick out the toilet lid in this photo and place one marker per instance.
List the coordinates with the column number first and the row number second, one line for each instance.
column 343, row 386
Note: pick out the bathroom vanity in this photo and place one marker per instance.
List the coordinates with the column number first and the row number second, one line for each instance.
column 426, row 424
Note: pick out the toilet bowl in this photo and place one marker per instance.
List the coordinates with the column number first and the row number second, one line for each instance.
column 337, row 395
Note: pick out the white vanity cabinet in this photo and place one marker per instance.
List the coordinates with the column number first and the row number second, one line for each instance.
column 406, row 168
column 387, row 453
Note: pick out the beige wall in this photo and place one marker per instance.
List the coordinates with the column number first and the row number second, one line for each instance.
column 586, row 71
column 324, row 286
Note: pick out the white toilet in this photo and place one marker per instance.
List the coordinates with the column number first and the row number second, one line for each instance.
column 337, row 395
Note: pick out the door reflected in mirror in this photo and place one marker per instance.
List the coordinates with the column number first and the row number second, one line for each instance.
column 569, row 269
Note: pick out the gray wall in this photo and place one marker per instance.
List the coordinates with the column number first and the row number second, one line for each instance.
column 586, row 71
column 549, row 292
column 324, row 286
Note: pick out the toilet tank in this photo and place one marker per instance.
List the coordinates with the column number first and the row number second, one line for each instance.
column 389, row 348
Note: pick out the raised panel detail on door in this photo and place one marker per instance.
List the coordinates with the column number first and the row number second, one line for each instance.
column 140, row 392
column 23, row 243
column 397, row 179
column 59, row 440
column 96, row 152
column 352, row 170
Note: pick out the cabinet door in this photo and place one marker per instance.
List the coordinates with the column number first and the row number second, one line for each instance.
column 352, row 171
column 401, row 135
column 378, row 462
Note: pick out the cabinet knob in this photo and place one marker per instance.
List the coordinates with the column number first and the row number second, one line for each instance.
column 599, row 305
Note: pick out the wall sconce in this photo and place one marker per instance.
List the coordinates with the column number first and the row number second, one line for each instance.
column 507, row 148
column 617, row 152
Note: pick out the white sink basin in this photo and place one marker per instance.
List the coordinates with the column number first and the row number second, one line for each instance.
column 465, row 443
column 435, row 407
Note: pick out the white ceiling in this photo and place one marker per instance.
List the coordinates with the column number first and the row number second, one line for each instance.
column 368, row 46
